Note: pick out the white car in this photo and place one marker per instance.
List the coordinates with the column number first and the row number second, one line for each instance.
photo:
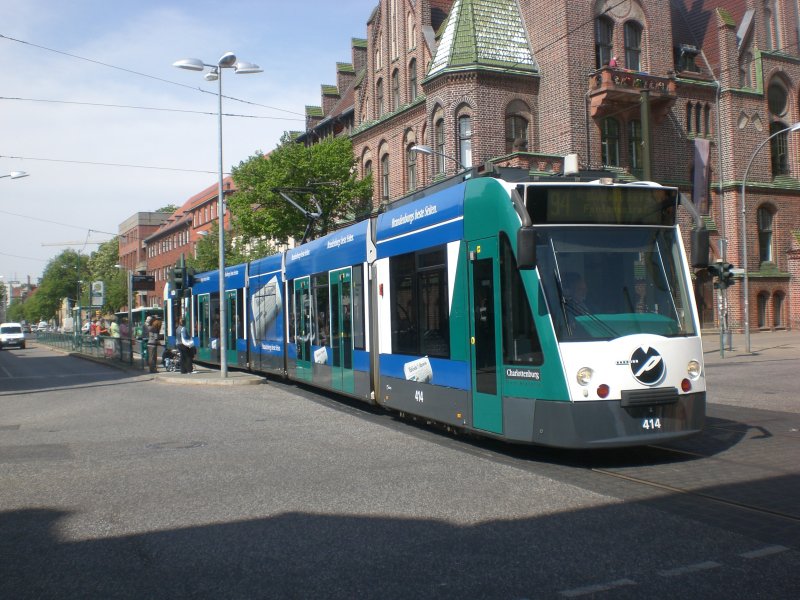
column 42, row 326
column 11, row 335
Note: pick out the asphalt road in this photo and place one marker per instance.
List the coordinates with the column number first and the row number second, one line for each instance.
column 113, row 485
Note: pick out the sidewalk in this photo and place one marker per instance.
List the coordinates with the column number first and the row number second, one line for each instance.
column 764, row 345
column 206, row 376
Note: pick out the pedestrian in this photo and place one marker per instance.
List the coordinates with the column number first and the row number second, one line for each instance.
column 153, row 329
column 185, row 347
column 613, row 62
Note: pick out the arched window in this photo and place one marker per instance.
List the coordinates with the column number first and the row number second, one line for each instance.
column 603, row 40
column 412, row 80
column 438, row 137
column 465, row 140
column 378, row 57
column 379, row 97
column 763, row 302
column 764, row 219
column 395, row 90
column 411, row 31
column 610, row 142
column 411, row 167
column 633, row 46
column 698, row 116
column 517, row 127
column 385, row 178
column 707, row 120
column 689, row 107
column 635, row 147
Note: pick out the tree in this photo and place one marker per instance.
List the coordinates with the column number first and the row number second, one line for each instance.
column 60, row 280
column 328, row 168
column 207, row 251
column 169, row 208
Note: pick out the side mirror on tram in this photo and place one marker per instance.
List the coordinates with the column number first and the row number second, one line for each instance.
column 526, row 248
column 700, row 248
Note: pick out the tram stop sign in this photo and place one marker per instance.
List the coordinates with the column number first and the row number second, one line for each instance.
column 143, row 283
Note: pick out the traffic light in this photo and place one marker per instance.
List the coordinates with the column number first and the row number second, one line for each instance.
column 176, row 279
column 723, row 271
column 726, row 276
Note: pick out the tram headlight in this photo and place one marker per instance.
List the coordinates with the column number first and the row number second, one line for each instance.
column 693, row 369
column 584, row 375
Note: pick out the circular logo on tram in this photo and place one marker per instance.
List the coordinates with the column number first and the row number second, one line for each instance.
column 647, row 365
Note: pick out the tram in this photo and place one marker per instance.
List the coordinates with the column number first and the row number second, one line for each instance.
column 557, row 312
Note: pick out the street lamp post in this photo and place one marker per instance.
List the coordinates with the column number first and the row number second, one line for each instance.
column 15, row 175
column 227, row 61
column 746, row 279
column 423, row 149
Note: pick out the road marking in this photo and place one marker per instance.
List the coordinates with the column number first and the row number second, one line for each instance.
column 703, row 566
column 6, row 371
column 766, row 551
column 593, row 589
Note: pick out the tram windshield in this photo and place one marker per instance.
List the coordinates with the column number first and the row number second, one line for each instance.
column 603, row 283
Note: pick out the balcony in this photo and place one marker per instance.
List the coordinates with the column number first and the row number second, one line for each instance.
column 617, row 92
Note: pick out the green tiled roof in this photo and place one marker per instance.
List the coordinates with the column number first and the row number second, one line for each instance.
column 484, row 34
column 345, row 68
column 359, row 43
column 314, row 111
column 330, row 90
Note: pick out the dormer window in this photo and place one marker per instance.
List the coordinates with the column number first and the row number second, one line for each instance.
column 687, row 58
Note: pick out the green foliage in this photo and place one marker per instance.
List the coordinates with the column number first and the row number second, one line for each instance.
column 60, row 280
column 169, row 209
column 207, row 249
column 260, row 213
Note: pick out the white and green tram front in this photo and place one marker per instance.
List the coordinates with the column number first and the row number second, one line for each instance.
column 617, row 287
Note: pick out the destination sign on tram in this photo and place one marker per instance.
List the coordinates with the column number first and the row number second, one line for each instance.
column 601, row 205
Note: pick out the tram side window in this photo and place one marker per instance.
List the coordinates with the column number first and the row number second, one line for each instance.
column 321, row 327
column 420, row 318
column 359, row 339
column 521, row 345
column 292, row 334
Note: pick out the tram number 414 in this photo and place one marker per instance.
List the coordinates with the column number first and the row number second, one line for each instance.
column 651, row 424
column 418, row 396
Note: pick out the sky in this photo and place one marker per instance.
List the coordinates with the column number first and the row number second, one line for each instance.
column 60, row 60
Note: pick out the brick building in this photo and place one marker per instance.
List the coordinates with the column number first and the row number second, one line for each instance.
column 684, row 93
column 179, row 233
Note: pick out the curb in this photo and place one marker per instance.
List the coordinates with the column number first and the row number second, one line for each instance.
column 208, row 378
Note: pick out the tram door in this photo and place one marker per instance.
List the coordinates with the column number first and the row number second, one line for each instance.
column 485, row 325
column 342, row 329
column 204, row 327
column 302, row 327
column 231, row 327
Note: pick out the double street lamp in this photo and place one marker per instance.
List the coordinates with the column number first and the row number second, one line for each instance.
column 743, row 230
column 227, row 61
column 423, row 149
column 15, row 175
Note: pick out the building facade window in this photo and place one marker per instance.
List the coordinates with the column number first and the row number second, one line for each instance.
column 633, row 46
column 465, row 141
column 379, row 97
column 764, row 219
column 603, row 40
column 395, row 90
column 438, row 135
column 385, row 178
column 779, row 147
column 689, row 108
column 412, row 79
column 609, row 142
column 707, row 120
column 517, row 127
column 411, row 167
